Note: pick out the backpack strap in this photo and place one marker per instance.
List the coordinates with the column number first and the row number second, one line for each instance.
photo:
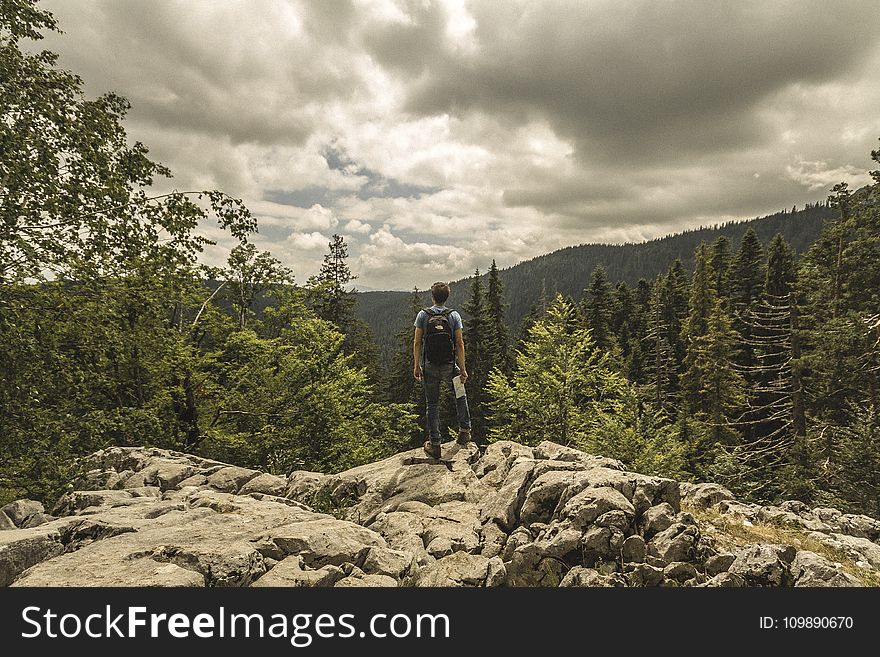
column 437, row 313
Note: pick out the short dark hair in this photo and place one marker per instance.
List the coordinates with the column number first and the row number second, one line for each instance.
column 440, row 292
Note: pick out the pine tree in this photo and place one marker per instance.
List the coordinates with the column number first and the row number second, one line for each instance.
column 330, row 298
column 598, row 309
column 721, row 261
column 332, row 301
column 498, row 340
column 702, row 297
column 400, row 386
column 477, row 333
column 663, row 347
column 718, row 389
column 772, row 422
column 747, row 272
column 780, row 269
column 561, row 389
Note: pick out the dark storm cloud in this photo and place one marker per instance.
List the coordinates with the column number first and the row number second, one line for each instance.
column 636, row 80
column 203, row 68
column 476, row 127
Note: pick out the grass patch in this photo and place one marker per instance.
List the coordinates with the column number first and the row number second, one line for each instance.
column 733, row 535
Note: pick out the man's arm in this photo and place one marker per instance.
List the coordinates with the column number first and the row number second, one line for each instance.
column 417, row 354
column 459, row 354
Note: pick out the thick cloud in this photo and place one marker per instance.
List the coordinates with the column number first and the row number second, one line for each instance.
column 437, row 135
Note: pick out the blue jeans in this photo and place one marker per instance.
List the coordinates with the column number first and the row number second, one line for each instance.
column 432, row 376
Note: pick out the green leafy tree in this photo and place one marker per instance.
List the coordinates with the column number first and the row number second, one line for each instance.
column 295, row 402
column 101, row 294
column 251, row 273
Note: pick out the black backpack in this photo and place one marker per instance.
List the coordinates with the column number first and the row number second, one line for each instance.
column 439, row 346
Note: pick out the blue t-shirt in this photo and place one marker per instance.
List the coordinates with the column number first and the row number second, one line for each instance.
column 422, row 318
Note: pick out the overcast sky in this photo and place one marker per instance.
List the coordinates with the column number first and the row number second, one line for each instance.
column 437, row 135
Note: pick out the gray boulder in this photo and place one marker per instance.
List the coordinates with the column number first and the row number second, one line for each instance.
column 726, row 580
column 719, row 563
column 810, row 569
column 863, row 552
column 644, row 575
column 580, row 576
column 656, row 519
column 677, row 542
column 462, row 569
column 585, row 507
column 702, row 496
column 292, row 572
column 5, row 522
column 764, row 564
column 634, row 549
column 230, row 479
column 20, row 510
column 502, row 507
column 265, row 483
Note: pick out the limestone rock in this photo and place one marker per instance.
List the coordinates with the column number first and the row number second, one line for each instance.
column 492, row 540
column 503, row 506
column 20, row 510
column 37, row 519
column 265, row 483
column 657, row 519
column 461, row 569
column 387, row 561
column 585, row 507
column 231, row 479
column 373, row 581
column 677, row 542
column 644, row 575
column 727, row 580
column 302, row 484
column 580, row 576
column 719, row 563
column 494, row 465
column 5, row 522
column 634, row 549
column 680, row 571
column 22, row 548
column 291, row 572
column 516, row 515
column 810, row 569
column 764, row 565
column 864, row 552
column 702, row 496
column 325, row 541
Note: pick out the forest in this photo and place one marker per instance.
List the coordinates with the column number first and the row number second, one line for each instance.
column 753, row 364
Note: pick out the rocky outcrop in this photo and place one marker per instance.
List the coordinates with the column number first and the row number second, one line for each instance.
column 514, row 515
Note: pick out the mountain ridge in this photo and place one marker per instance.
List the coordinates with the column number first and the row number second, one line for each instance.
column 568, row 270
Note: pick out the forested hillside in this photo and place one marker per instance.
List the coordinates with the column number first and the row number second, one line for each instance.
column 568, row 270
column 719, row 355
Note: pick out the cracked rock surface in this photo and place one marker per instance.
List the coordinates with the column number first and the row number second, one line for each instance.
column 514, row 515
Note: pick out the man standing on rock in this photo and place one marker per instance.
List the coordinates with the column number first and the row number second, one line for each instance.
column 438, row 355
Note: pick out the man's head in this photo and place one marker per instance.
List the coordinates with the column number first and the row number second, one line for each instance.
column 439, row 293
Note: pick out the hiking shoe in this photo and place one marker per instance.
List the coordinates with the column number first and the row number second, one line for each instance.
column 464, row 436
column 432, row 449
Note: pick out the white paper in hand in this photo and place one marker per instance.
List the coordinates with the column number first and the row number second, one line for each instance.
column 459, row 387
